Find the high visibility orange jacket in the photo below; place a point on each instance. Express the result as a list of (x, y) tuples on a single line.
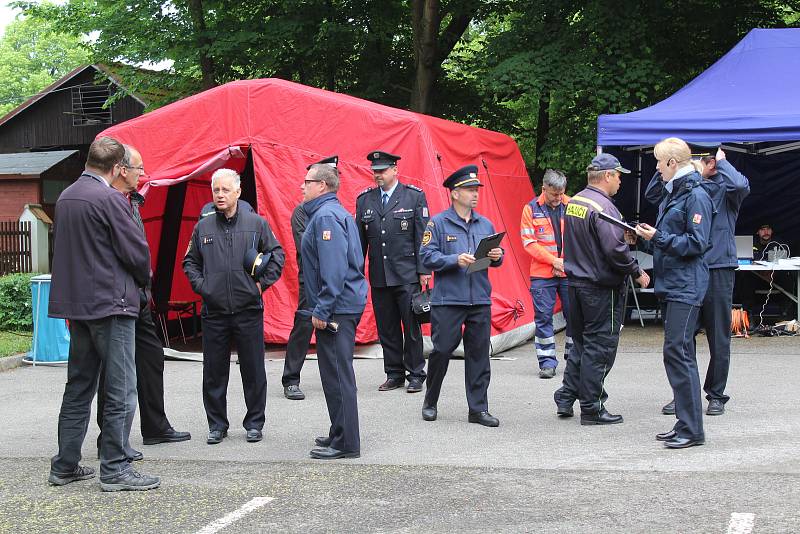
[(538, 238)]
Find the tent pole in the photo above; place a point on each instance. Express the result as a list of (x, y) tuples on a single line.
[(638, 184)]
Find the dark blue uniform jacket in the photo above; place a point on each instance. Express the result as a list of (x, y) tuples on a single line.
[(727, 189), (447, 236), (683, 230), (391, 235), (333, 264)]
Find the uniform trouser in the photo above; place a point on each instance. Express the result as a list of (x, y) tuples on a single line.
[(680, 362), (399, 331), (149, 380), (107, 342), (298, 343), (446, 323), (716, 320), (543, 294), (596, 317), (246, 330), (335, 360)]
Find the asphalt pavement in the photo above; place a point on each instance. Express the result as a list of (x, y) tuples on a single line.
[(535, 473)]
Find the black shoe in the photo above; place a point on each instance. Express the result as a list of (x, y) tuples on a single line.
[(254, 435), (602, 418), (170, 436), (414, 385), (429, 412), (392, 383), (715, 407), (130, 481), (547, 372), (565, 411), (327, 453), (293, 392), (483, 418), (667, 436), (81, 472), (669, 408), (216, 436), (323, 441), (682, 443)]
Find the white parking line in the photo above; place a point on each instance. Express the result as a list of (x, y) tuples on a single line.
[(741, 523), (236, 515)]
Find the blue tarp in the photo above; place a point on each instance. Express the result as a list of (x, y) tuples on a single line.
[(752, 94)]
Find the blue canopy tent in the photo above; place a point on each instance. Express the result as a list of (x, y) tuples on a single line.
[(748, 101)]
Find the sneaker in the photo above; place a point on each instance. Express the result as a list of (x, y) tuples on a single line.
[(293, 392), (130, 481), (81, 472)]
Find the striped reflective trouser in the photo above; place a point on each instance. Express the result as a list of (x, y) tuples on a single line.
[(543, 294)]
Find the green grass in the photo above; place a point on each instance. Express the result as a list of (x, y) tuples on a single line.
[(14, 342)]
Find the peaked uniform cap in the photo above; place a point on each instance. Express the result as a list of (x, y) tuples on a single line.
[(463, 177), (382, 160)]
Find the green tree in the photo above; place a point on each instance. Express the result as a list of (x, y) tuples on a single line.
[(32, 56), (558, 64), (391, 51)]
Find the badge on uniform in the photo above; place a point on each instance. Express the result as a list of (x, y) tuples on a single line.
[(426, 237), (431, 224), (404, 224), (697, 218), (424, 211), (326, 235), (452, 238), (208, 240)]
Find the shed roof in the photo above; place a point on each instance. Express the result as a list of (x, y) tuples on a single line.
[(31, 164)]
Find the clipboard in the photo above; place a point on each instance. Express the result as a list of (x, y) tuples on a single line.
[(482, 261), (616, 222)]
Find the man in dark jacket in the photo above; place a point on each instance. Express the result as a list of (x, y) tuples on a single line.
[(460, 299), (149, 353), (727, 188), (597, 262), (302, 329), (391, 220), (678, 242), (333, 271), (233, 308), (100, 261)]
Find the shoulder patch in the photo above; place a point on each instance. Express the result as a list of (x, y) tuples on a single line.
[(367, 190), (426, 237), (206, 214), (414, 187)]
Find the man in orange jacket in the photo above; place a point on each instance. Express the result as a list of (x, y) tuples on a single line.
[(542, 231)]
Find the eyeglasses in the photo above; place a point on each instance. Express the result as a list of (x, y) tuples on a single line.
[(140, 168), (311, 181)]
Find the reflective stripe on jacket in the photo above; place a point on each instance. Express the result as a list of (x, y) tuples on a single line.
[(538, 237)]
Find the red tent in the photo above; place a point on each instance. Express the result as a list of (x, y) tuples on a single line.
[(270, 130)]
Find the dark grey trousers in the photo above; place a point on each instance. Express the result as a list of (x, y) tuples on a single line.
[(107, 342)]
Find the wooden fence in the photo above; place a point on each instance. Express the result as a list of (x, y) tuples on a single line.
[(15, 247)]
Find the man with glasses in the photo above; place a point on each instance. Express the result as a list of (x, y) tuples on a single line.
[(149, 353), (391, 220), (302, 329), (542, 231), (233, 308), (336, 291)]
